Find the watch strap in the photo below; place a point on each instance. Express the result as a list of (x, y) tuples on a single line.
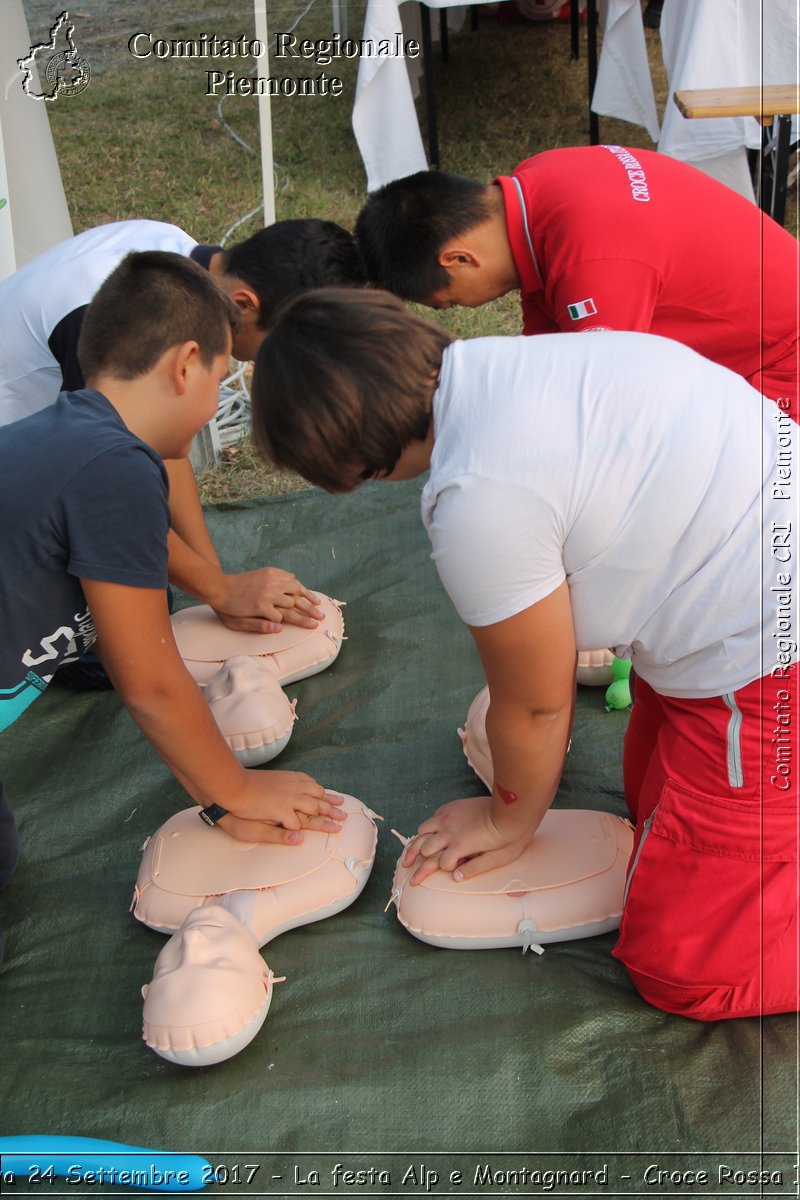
[(212, 814)]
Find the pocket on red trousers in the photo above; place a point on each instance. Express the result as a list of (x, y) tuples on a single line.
[(713, 885)]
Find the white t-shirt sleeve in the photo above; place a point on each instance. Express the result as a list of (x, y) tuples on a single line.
[(497, 549)]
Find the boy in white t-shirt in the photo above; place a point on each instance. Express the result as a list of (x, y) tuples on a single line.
[(44, 304), (615, 491)]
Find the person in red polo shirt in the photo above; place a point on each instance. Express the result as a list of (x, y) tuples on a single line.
[(600, 237)]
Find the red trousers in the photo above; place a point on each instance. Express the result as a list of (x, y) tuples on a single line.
[(710, 924)]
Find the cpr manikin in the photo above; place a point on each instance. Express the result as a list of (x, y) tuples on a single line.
[(212, 974), (595, 668), (253, 713), (569, 883), (242, 673), (222, 899), (293, 653)]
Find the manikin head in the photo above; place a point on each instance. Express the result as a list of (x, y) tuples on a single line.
[(242, 676), (252, 712), (210, 986)]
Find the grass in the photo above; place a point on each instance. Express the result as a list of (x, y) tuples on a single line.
[(144, 140)]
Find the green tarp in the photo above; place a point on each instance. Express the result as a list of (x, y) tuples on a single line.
[(380, 1053)]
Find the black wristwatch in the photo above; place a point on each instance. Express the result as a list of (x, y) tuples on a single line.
[(212, 814)]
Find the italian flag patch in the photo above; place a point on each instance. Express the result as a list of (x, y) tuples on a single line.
[(583, 308)]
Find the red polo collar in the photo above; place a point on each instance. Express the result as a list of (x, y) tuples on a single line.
[(520, 234)]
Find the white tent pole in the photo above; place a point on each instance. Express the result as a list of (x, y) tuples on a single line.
[(265, 117), (8, 259)]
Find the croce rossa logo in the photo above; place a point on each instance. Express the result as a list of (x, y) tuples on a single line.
[(61, 69)]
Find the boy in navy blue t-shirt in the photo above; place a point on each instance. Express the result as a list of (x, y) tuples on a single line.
[(85, 553), (43, 306)]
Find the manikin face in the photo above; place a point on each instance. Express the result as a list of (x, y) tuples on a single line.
[(209, 966), (245, 695)]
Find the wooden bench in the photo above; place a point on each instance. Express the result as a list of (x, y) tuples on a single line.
[(772, 106)]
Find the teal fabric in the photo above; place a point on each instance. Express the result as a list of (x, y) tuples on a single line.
[(376, 1044)]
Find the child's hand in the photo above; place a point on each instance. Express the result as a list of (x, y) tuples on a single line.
[(262, 831), (290, 799), (305, 611), (462, 837), (261, 601)]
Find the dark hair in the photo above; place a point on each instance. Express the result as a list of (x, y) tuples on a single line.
[(291, 257), (343, 384), (402, 228), (150, 302)]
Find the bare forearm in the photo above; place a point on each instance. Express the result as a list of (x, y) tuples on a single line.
[(528, 751), (178, 723), (138, 650), (529, 660), (193, 563), (194, 574), (258, 601), (186, 511)]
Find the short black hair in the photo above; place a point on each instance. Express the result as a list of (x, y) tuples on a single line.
[(403, 226), (294, 256), (151, 301)]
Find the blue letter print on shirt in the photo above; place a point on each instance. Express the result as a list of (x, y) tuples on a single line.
[(14, 701)]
